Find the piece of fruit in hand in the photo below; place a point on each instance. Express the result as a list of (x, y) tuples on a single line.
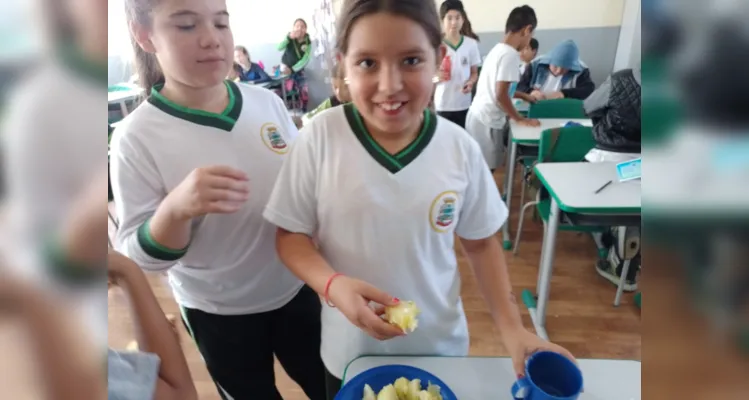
[(403, 315)]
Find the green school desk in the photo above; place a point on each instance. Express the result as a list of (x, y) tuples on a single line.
[(572, 187), (476, 378), (526, 136)]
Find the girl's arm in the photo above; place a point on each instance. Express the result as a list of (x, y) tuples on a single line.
[(488, 262), (299, 253), (66, 371), (153, 331), (263, 76), (151, 233), (474, 75)]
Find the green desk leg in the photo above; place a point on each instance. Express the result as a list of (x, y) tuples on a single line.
[(530, 302), (638, 300)]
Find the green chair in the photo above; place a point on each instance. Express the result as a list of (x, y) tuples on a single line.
[(557, 108), (568, 144)]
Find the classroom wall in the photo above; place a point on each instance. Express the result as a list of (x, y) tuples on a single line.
[(628, 51), (593, 24)]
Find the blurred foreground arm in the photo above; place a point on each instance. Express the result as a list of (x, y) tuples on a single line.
[(154, 332)]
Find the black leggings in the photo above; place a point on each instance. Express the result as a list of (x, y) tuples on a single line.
[(332, 384), (459, 117), (238, 349)]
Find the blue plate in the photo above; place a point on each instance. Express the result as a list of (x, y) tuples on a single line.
[(379, 377)]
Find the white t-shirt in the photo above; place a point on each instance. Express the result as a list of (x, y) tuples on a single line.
[(448, 96), (552, 84), (53, 151), (500, 65), (231, 266), (389, 220)]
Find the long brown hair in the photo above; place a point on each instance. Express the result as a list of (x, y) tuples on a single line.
[(466, 29), (423, 12), (138, 12)]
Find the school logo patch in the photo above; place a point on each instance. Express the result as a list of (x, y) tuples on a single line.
[(464, 61), (304, 47), (443, 211), (271, 135)]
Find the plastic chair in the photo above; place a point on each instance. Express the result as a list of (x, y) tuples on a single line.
[(557, 108), (572, 144)]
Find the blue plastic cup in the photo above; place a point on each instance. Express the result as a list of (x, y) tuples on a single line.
[(549, 376)]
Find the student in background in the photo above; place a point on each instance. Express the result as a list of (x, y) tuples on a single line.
[(528, 54), (250, 71), (297, 51), (452, 96), (615, 108), (487, 119), (557, 75), (192, 169), (386, 227), (340, 94)]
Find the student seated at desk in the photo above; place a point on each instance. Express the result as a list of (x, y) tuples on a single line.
[(528, 54), (250, 71), (615, 109), (557, 75)]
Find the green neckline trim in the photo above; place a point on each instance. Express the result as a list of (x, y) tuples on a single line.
[(225, 121), (84, 66), (451, 45), (391, 162)]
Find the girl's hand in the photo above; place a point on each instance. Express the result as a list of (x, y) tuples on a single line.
[(522, 344), (538, 95), (210, 190), (352, 297), (285, 70), (555, 95), (468, 87)]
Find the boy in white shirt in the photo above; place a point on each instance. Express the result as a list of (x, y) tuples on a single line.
[(492, 106)]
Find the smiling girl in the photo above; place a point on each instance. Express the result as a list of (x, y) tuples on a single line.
[(192, 169), (385, 226)]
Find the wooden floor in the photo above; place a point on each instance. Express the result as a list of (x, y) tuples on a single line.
[(580, 315)]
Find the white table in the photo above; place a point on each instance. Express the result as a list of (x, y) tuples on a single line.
[(521, 106), (122, 97), (572, 188), (527, 136), (477, 378)]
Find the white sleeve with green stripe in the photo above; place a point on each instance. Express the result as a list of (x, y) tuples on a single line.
[(138, 191)]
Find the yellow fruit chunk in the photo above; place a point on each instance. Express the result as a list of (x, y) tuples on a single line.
[(369, 394), (403, 389), (403, 315), (387, 393)]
